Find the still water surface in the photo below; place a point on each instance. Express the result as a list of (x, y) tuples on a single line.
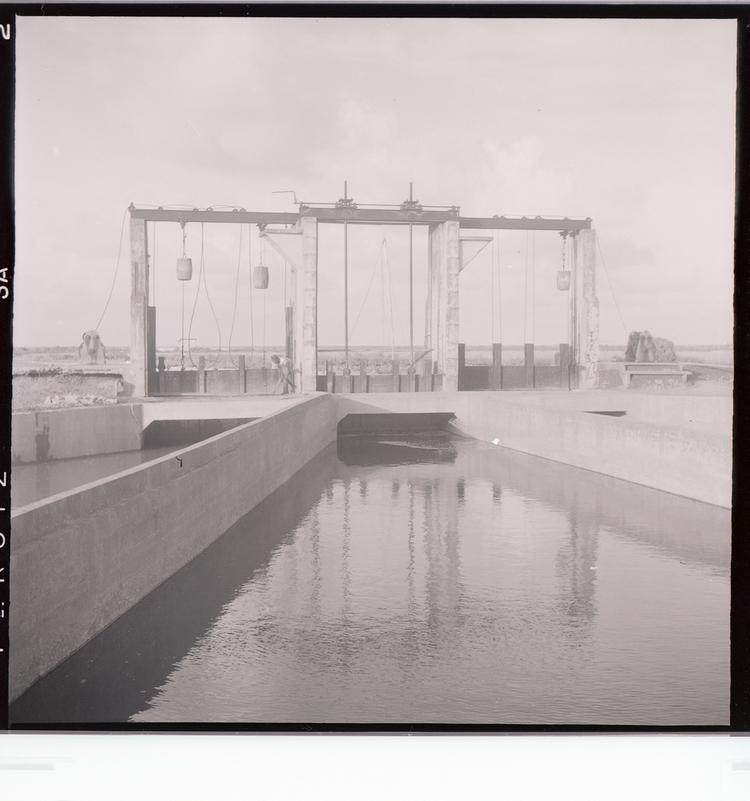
[(427, 579), (38, 480)]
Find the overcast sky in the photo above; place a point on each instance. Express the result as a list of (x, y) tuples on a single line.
[(629, 122)]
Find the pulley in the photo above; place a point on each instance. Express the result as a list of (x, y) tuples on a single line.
[(184, 264)]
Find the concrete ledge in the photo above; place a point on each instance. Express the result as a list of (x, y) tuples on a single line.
[(104, 546), (67, 433), (682, 457)]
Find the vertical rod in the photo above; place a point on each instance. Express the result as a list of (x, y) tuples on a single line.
[(492, 287), (411, 290), (182, 337), (250, 271), (574, 358), (346, 291), (153, 267), (499, 292)]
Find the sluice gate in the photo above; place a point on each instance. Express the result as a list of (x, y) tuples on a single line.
[(436, 364)]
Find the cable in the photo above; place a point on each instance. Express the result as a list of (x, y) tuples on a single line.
[(153, 268), (202, 274), (492, 287), (210, 304), (236, 295), (390, 298), (499, 291), (526, 290), (611, 288), (369, 287), (250, 272), (114, 276), (533, 287)]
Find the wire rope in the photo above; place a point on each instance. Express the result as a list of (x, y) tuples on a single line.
[(369, 286), (611, 288), (236, 296), (250, 273), (114, 275), (202, 278)]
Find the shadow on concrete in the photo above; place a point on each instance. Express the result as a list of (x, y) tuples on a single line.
[(113, 676)]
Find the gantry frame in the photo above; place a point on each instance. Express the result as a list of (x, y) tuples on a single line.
[(445, 225)]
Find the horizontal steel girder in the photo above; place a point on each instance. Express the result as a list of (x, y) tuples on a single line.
[(361, 216)]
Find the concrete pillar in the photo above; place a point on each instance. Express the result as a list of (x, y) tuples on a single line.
[(444, 268), (138, 372), (587, 322), (306, 312)]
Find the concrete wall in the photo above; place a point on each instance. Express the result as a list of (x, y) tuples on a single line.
[(65, 433), (39, 389), (695, 462), (104, 547)]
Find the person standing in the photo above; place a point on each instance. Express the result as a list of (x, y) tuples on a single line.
[(286, 381)]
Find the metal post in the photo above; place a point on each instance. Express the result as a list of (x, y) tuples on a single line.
[(528, 363), (411, 281), (241, 375), (574, 356), (346, 294)]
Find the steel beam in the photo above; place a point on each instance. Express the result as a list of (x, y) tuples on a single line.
[(363, 216), (526, 223), (210, 216)]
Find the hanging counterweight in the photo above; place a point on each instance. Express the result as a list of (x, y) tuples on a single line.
[(184, 264), (563, 276), (260, 276), (184, 268)]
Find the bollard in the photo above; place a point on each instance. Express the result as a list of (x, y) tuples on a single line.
[(160, 381), (528, 363), (497, 366), (242, 375), (564, 365), (201, 374), (330, 385)]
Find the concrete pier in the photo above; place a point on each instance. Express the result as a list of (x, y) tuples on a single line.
[(587, 303), (307, 316), (138, 374), (444, 266)]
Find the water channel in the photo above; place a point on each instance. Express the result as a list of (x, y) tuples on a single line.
[(426, 579)]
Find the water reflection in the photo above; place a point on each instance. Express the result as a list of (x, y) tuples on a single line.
[(576, 569), (383, 584)]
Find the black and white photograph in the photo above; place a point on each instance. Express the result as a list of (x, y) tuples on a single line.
[(372, 371)]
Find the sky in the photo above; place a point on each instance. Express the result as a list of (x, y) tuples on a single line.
[(629, 122)]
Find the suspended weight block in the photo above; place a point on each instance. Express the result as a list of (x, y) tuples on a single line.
[(260, 276), (563, 280), (184, 269)]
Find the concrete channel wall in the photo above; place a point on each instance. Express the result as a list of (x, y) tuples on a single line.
[(82, 558), (692, 457), (67, 433)]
